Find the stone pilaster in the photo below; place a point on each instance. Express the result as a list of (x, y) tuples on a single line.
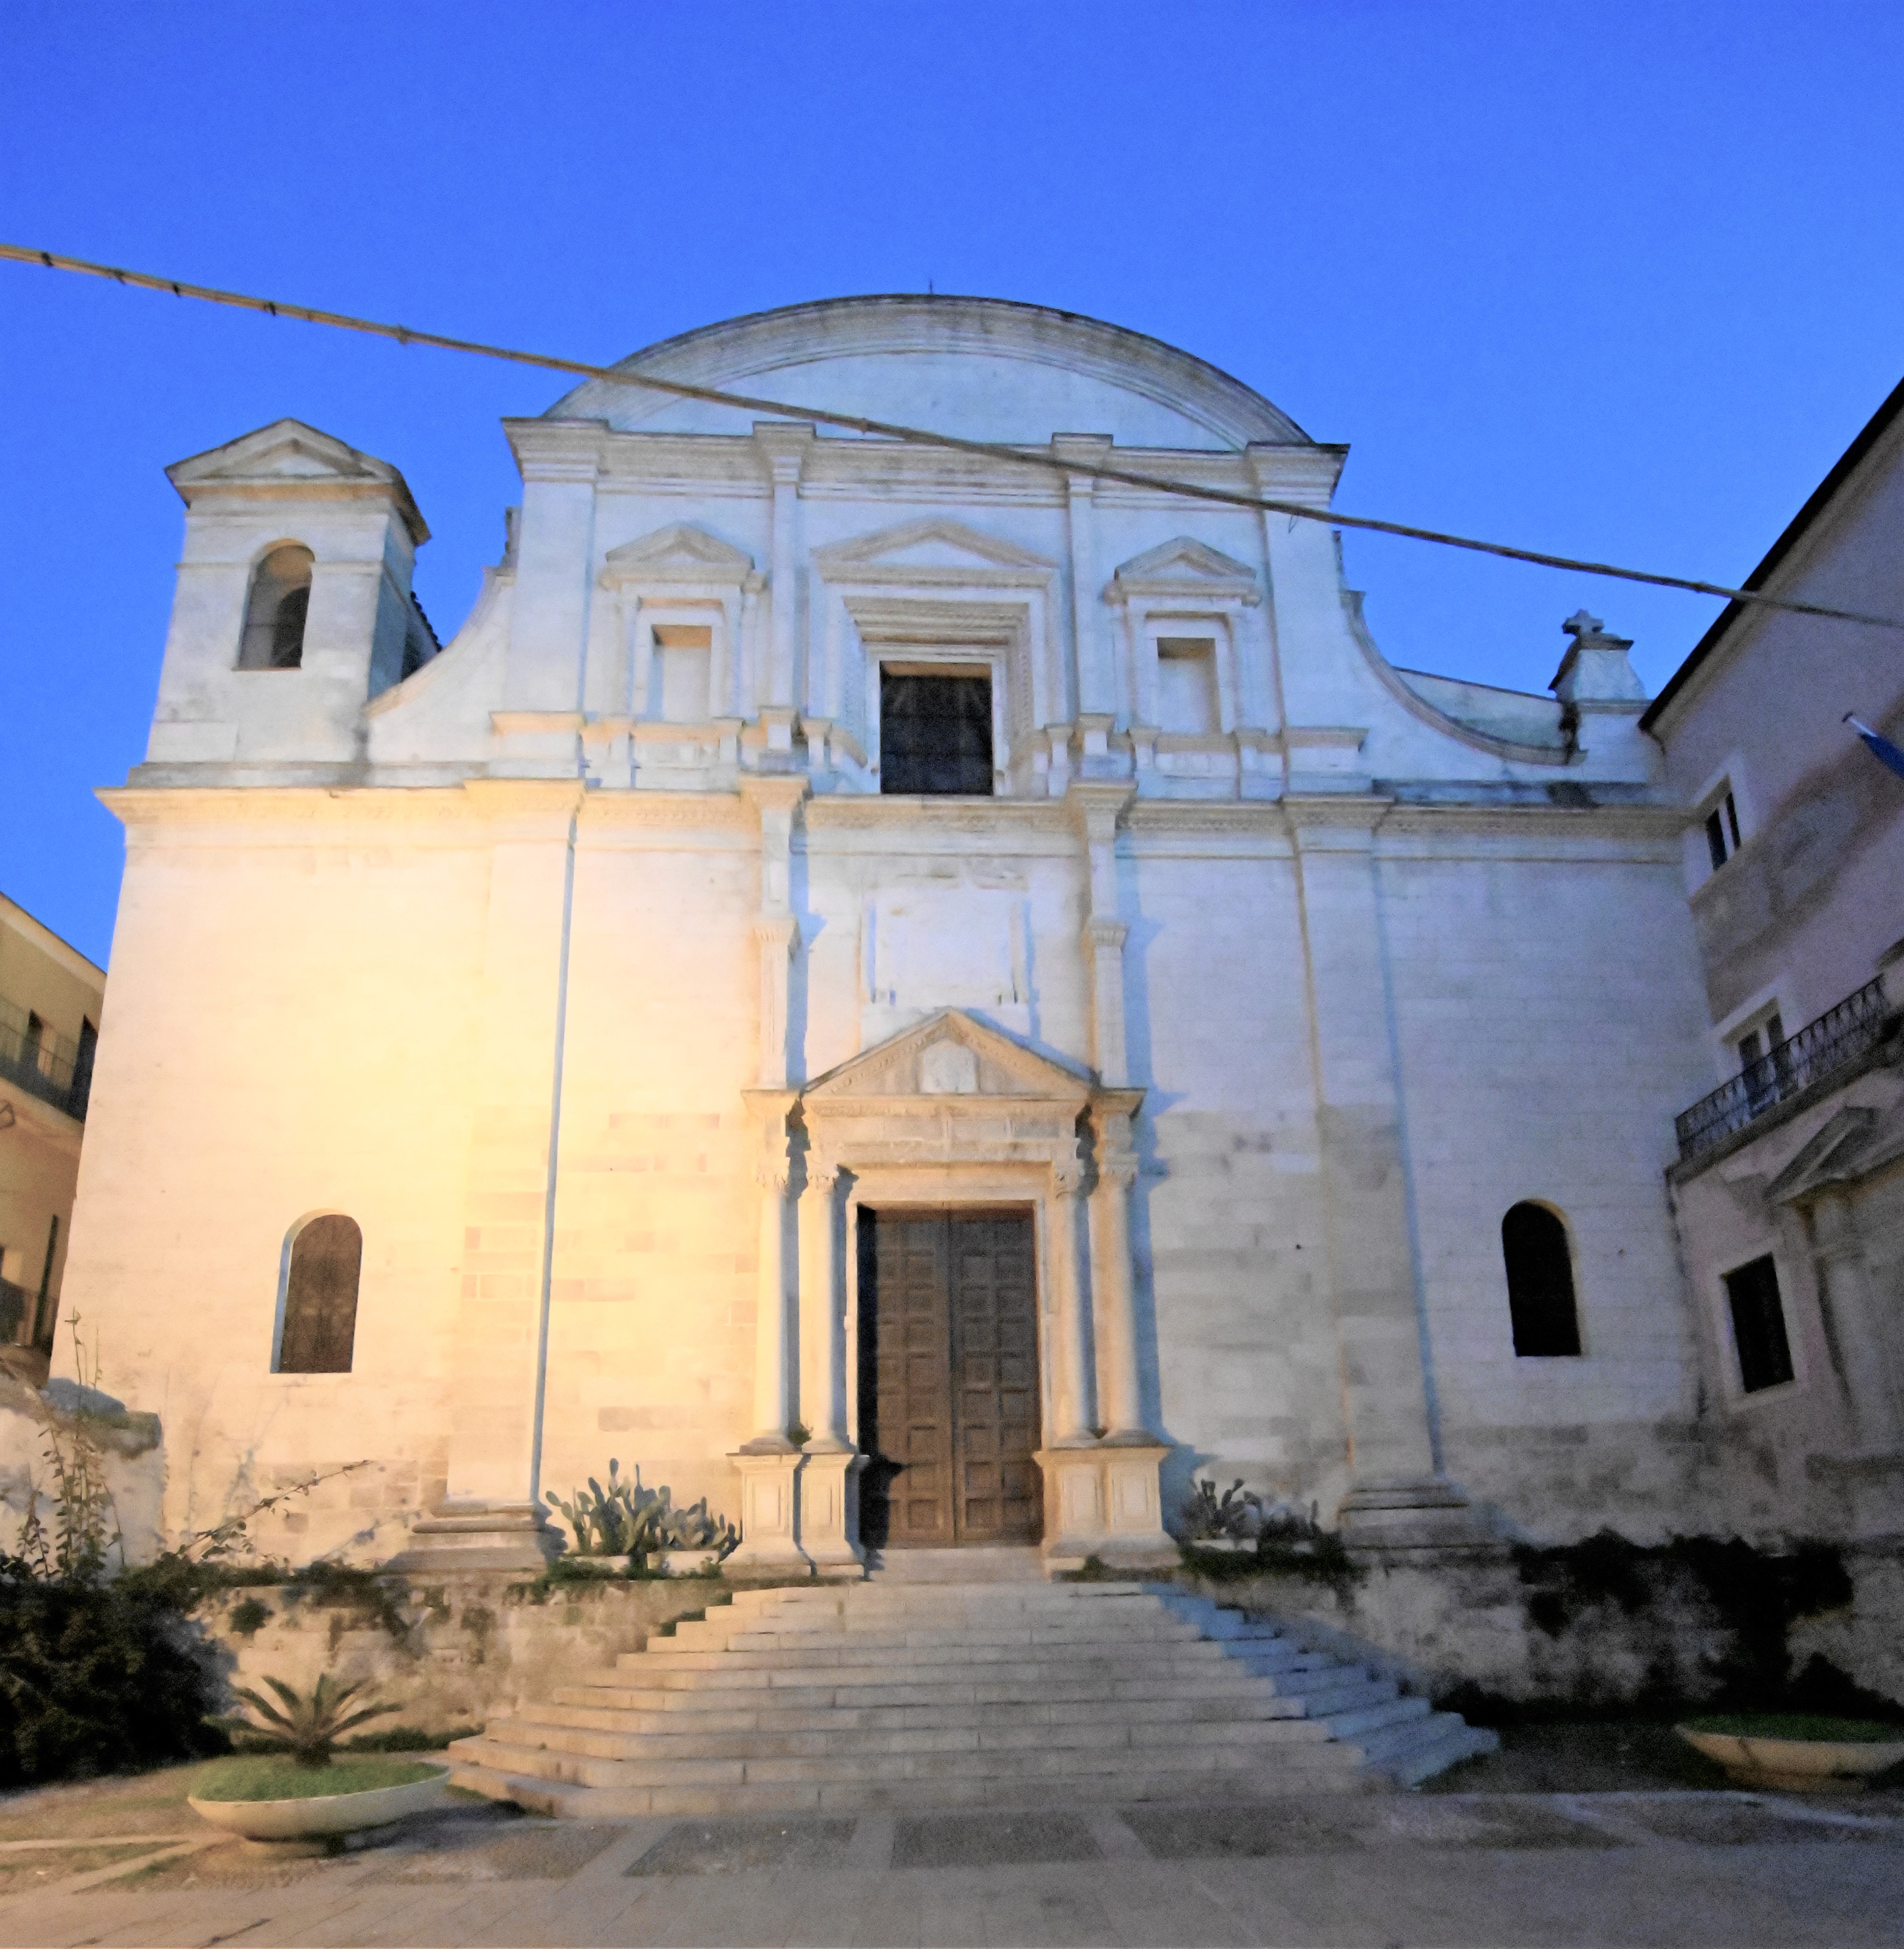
[(1844, 1283), (1396, 1495), (785, 446), (490, 1515)]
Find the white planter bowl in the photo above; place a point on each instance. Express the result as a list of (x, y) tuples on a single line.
[(685, 1562), (323, 1813), (1796, 1766)]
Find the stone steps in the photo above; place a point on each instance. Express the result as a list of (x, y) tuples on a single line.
[(935, 1693), (695, 1741), (1012, 1689), (587, 1803)]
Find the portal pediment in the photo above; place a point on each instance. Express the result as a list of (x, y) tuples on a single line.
[(682, 553), (1184, 566), (949, 1061)]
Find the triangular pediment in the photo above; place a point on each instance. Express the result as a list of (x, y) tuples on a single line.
[(931, 549), (280, 458), (682, 553), (948, 1056), (1184, 565)]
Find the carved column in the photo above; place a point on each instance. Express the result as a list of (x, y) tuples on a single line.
[(829, 1515), (1076, 1406), (1113, 1290), (1844, 1283)]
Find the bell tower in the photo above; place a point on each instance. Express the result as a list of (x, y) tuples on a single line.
[(294, 606)]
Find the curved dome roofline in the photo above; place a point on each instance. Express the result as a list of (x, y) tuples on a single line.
[(758, 344)]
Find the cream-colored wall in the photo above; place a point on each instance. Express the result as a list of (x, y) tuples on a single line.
[(296, 1038)]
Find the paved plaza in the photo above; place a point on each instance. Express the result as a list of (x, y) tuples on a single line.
[(1667, 1866)]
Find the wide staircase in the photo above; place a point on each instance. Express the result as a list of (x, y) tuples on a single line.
[(920, 1693)]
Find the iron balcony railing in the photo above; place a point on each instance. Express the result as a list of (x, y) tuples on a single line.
[(48, 1066), (1838, 1037)]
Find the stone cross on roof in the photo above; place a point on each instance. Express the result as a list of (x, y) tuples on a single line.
[(1581, 625)]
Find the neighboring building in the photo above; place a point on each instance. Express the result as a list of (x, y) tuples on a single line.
[(52, 1000), (861, 950), (1789, 1187)]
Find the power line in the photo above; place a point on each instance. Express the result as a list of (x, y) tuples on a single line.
[(912, 436)]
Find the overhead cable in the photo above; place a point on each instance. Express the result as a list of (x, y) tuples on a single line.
[(1047, 462)]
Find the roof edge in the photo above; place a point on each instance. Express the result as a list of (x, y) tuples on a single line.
[(1801, 524)]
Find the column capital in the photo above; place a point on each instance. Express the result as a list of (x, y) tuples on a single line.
[(1102, 932), (768, 793), (1067, 1176), (1099, 804), (785, 444), (822, 1173), (780, 931)]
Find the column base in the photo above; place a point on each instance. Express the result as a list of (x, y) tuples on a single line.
[(1104, 1500), (769, 1532), (1407, 1513), (828, 1505), (462, 1535)]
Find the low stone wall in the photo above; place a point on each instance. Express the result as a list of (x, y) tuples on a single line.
[(1474, 1622), (448, 1651)]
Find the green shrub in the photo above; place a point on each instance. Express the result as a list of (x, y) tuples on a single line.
[(97, 1677)]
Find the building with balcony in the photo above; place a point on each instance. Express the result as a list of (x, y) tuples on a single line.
[(51, 1001), (1789, 1187)]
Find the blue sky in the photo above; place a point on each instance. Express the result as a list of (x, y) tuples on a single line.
[(1619, 281)]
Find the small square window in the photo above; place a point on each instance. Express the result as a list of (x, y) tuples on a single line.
[(1759, 1325), (935, 732)]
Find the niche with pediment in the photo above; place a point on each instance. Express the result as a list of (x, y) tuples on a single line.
[(681, 596), (934, 596), (1193, 656)]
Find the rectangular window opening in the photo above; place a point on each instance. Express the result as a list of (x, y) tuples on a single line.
[(1759, 1325), (1722, 832), (935, 732), (1186, 690)]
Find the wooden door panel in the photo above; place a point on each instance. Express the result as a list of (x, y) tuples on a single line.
[(949, 1368), (994, 1341)]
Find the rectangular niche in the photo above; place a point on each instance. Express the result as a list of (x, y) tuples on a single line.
[(680, 685), (1188, 700)]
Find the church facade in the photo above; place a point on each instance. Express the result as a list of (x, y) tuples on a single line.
[(926, 999)]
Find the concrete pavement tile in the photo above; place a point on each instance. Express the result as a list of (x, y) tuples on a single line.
[(951, 1913), (1112, 1833), (1046, 1911), (871, 1850), (884, 1914), (540, 1850), (990, 1840), (736, 1844)]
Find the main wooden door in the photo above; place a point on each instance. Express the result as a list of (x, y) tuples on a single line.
[(948, 1378)]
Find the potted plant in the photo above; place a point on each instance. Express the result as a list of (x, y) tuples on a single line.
[(1801, 1752), (695, 1539), (300, 1791)]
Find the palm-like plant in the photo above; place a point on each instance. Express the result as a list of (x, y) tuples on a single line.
[(308, 1728)]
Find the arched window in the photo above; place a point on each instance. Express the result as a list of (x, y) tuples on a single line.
[(320, 1323), (274, 618), (1540, 1281)]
